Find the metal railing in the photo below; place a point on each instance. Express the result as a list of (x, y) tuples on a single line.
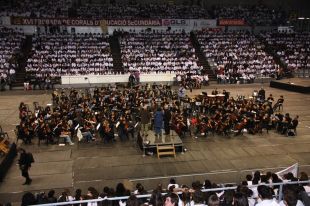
[(279, 196)]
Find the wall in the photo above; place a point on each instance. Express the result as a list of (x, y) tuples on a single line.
[(101, 79)]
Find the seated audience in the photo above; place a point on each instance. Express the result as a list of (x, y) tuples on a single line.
[(292, 48), (238, 57), (158, 52), (80, 54)]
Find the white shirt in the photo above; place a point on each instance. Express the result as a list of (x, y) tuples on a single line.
[(175, 186), (271, 202), (307, 188), (299, 203)]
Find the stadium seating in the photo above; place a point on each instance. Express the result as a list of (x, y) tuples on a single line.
[(292, 48), (158, 52), (238, 56), (79, 54)]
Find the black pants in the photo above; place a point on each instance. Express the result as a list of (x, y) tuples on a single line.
[(167, 128), (25, 174)]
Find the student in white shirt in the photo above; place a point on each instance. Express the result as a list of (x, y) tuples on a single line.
[(290, 199), (172, 182), (265, 196)]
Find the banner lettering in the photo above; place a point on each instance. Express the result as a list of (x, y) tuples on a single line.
[(134, 22), (231, 22), (84, 22), (175, 22), (53, 22)]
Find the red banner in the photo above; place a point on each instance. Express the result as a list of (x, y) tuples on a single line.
[(231, 22)]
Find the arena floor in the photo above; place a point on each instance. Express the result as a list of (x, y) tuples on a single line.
[(220, 159)]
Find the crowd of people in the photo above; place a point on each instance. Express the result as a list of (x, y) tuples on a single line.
[(109, 112), (238, 56), (79, 54), (258, 14), (254, 190), (141, 11), (159, 51), (36, 8), (292, 48), (10, 44)]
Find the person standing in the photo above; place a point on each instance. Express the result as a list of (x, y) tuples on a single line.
[(25, 161), (158, 122), (167, 118), (145, 115)]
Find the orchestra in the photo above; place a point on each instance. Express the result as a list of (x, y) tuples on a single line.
[(107, 113)]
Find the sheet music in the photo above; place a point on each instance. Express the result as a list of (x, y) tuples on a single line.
[(117, 124)]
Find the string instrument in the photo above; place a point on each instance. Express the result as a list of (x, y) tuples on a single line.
[(202, 127), (65, 130), (106, 125), (241, 125), (180, 125), (26, 130)]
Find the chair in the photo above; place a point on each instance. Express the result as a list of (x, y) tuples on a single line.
[(292, 128), (280, 106), (42, 137), (57, 135)]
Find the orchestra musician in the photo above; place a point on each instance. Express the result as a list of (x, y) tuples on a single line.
[(279, 103), (65, 132), (214, 114), (167, 119), (106, 131)]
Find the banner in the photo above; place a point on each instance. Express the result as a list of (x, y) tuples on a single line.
[(293, 169), (231, 22), (83, 22), (175, 22), (134, 22), (104, 26), (203, 23), (53, 21)]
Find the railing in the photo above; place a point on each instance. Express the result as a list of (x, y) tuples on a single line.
[(232, 176), (279, 196)]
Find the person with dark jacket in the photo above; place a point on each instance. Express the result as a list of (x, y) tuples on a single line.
[(145, 115), (24, 162), (167, 118)]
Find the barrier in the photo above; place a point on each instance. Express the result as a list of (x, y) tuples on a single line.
[(279, 197), (121, 78)]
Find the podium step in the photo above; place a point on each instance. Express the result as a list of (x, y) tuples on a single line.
[(165, 150)]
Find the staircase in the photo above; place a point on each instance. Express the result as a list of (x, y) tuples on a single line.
[(202, 60), (116, 53), (22, 62), (165, 150), (269, 50)]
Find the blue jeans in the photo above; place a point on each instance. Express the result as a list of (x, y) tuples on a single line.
[(157, 131), (88, 136)]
